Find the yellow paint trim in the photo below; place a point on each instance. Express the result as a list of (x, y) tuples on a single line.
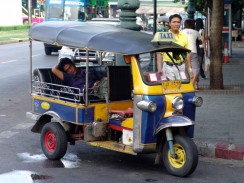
[(57, 101), (127, 123), (45, 105), (121, 105), (115, 146), (169, 110)]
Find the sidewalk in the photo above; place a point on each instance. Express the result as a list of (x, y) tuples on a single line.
[(219, 130), (14, 38)]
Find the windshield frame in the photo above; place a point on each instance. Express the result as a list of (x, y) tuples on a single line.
[(152, 69)]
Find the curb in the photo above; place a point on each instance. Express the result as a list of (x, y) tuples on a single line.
[(13, 41), (220, 150)]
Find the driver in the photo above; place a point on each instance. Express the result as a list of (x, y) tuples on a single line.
[(164, 64)]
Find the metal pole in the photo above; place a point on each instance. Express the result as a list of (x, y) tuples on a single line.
[(87, 79), (30, 59), (63, 10), (154, 32), (29, 12), (154, 16)]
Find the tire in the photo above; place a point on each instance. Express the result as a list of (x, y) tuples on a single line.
[(187, 156), (48, 51), (53, 141), (25, 22)]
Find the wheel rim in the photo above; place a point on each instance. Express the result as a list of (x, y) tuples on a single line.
[(50, 141), (180, 159)]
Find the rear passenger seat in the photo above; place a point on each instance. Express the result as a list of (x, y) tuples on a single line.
[(45, 75), (119, 81)]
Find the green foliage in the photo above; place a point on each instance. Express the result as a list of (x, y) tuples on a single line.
[(199, 6), (14, 27), (237, 5)]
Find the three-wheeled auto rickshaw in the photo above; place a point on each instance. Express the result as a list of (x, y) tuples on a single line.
[(137, 111)]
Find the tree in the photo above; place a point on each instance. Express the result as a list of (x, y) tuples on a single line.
[(216, 46), (216, 8)]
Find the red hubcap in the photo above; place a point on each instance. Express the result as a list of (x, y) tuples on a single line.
[(50, 141)]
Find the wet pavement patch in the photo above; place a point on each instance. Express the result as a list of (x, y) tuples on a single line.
[(22, 176), (151, 180), (68, 161), (39, 177)]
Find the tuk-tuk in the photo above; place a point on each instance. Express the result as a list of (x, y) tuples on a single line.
[(136, 112)]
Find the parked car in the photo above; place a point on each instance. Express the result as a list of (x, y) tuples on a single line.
[(78, 56), (49, 48)]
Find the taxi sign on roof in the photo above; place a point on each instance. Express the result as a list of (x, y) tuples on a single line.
[(163, 37)]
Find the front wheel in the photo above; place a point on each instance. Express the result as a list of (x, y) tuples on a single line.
[(53, 141), (186, 159)]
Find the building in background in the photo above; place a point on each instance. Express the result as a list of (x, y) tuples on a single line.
[(37, 10), (145, 11), (10, 13)]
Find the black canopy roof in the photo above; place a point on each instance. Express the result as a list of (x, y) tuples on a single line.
[(99, 37)]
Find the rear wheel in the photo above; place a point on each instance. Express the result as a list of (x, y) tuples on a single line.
[(186, 159), (53, 141)]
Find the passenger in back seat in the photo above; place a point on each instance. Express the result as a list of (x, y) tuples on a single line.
[(73, 76)]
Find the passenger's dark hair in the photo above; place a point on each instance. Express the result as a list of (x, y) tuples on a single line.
[(175, 16), (189, 24), (199, 24), (63, 62)]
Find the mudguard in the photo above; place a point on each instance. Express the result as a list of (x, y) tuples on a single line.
[(47, 117), (173, 121)]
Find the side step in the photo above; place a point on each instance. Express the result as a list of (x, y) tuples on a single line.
[(112, 145)]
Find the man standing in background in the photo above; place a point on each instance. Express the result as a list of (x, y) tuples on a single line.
[(164, 64)]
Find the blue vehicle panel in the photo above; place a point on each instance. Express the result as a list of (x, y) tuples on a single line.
[(65, 112), (150, 120)]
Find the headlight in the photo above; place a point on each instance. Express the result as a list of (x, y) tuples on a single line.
[(178, 103), (147, 105), (197, 101)]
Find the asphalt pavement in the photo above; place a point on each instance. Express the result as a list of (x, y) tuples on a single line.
[(219, 129)]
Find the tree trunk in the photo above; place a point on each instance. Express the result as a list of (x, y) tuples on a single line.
[(216, 45)]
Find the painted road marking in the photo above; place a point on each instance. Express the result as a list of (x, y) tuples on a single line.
[(7, 134), (23, 126), (9, 61), (13, 132), (36, 55)]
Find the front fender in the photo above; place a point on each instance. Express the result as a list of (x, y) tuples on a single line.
[(173, 121), (47, 117)]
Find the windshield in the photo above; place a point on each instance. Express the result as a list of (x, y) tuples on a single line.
[(54, 12), (67, 13), (74, 13), (150, 74)]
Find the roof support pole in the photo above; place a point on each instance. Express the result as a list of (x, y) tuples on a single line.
[(87, 79), (30, 69)]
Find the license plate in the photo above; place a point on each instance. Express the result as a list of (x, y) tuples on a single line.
[(171, 86)]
